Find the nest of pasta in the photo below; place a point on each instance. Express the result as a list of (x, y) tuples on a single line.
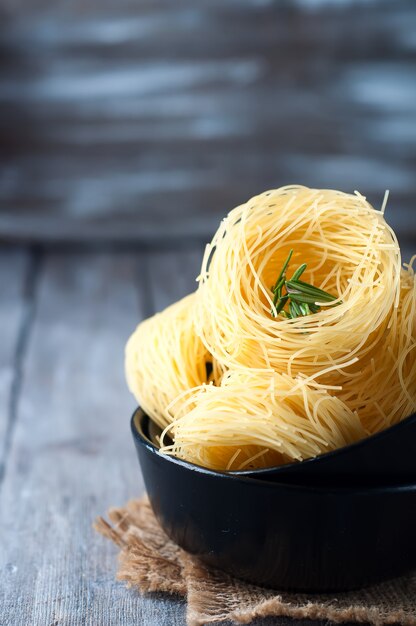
[(240, 376)]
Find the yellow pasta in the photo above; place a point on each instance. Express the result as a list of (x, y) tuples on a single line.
[(349, 250), (235, 384), (164, 357), (262, 417)]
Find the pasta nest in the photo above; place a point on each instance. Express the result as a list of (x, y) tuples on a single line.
[(235, 387)]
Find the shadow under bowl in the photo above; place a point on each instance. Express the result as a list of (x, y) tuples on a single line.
[(283, 536)]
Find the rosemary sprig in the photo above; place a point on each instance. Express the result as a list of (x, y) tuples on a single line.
[(277, 289), (300, 297)]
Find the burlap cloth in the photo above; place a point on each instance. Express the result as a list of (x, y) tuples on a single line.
[(151, 562)]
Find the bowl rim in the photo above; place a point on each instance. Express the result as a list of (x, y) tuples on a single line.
[(239, 477), (331, 453)]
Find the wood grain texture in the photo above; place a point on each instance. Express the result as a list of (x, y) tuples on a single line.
[(148, 121), (172, 275), (14, 313), (72, 456)]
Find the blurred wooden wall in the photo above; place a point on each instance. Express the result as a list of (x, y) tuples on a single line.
[(146, 121)]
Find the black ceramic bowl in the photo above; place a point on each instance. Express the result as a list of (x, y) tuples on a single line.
[(283, 536)]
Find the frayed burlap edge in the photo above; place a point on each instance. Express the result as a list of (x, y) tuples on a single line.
[(151, 562), (147, 559)]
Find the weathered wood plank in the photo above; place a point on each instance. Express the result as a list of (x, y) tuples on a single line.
[(14, 308), (172, 275), (125, 121), (72, 456)]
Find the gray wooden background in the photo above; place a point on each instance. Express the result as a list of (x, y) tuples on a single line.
[(148, 120), (127, 129)]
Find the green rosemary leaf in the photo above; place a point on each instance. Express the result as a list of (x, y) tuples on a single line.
[(304, 288), (294, 309), (278, 290), (299, 272), (320, 291), (281, 304), (283, 270), (304, 308), (302, 298), (298, 309)]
